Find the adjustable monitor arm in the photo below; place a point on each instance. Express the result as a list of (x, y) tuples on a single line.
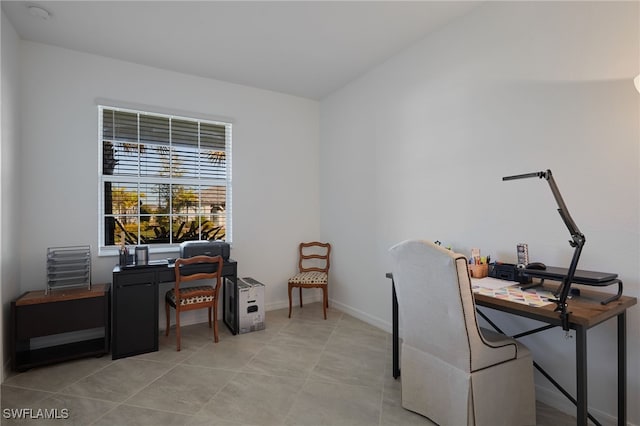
[(577, 242)]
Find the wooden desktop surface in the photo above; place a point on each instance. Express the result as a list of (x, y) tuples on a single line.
[(585, 310), (62, 294)]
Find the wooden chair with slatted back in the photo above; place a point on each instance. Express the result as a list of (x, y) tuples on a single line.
[(199, 297), (313, 271)]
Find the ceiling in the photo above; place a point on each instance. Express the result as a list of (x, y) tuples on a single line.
[(303, 48)]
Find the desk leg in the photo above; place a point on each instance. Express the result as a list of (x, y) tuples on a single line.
[(395, 336), (622, 369), (581, 375)]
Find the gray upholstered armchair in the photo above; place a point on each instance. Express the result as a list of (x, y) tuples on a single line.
[(454, 372)]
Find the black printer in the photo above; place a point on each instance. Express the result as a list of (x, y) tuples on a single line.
[(205, 248), (509, 272)]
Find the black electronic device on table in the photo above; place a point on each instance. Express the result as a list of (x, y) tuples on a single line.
[(508, 272), (580, 277), (206, 248), (590, 278), (536, 265)]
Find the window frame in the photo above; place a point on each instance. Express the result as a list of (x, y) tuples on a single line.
[(139, 179)]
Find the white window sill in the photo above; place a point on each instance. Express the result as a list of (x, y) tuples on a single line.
[(114, 251)]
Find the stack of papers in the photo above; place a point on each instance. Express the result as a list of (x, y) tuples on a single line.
[(509, 290)]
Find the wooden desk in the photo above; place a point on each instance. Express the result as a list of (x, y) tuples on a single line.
[(586, 311)]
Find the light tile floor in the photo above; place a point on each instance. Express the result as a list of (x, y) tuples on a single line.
[(299, 371)]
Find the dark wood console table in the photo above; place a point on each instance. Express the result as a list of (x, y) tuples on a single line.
[(36, 314)]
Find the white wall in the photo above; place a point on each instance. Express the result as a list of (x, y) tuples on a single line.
[(275, 149), (416, 148), (9, 199)]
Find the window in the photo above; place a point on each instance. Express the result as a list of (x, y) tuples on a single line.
[(164, 179)]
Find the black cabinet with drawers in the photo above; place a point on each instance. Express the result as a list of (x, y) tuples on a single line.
[(135, 312)]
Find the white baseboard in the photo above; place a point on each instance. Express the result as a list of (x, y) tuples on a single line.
[(356, 313), (383, 325), (284, 304), (309, 297)]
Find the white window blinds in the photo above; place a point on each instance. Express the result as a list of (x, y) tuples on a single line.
[(163, 179)]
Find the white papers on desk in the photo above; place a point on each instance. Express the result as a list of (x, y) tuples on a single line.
[(491, 283), (510, 291)]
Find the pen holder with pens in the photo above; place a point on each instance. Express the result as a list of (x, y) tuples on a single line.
[(478, 271), (478, 265)]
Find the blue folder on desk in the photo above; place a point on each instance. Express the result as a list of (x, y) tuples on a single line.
[(580, 277)]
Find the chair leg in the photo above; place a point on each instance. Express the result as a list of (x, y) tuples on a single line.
[(215, 320), (177, 329), (166, 310), (209, 309), (301, 296), (325, 301), (290, 286)]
